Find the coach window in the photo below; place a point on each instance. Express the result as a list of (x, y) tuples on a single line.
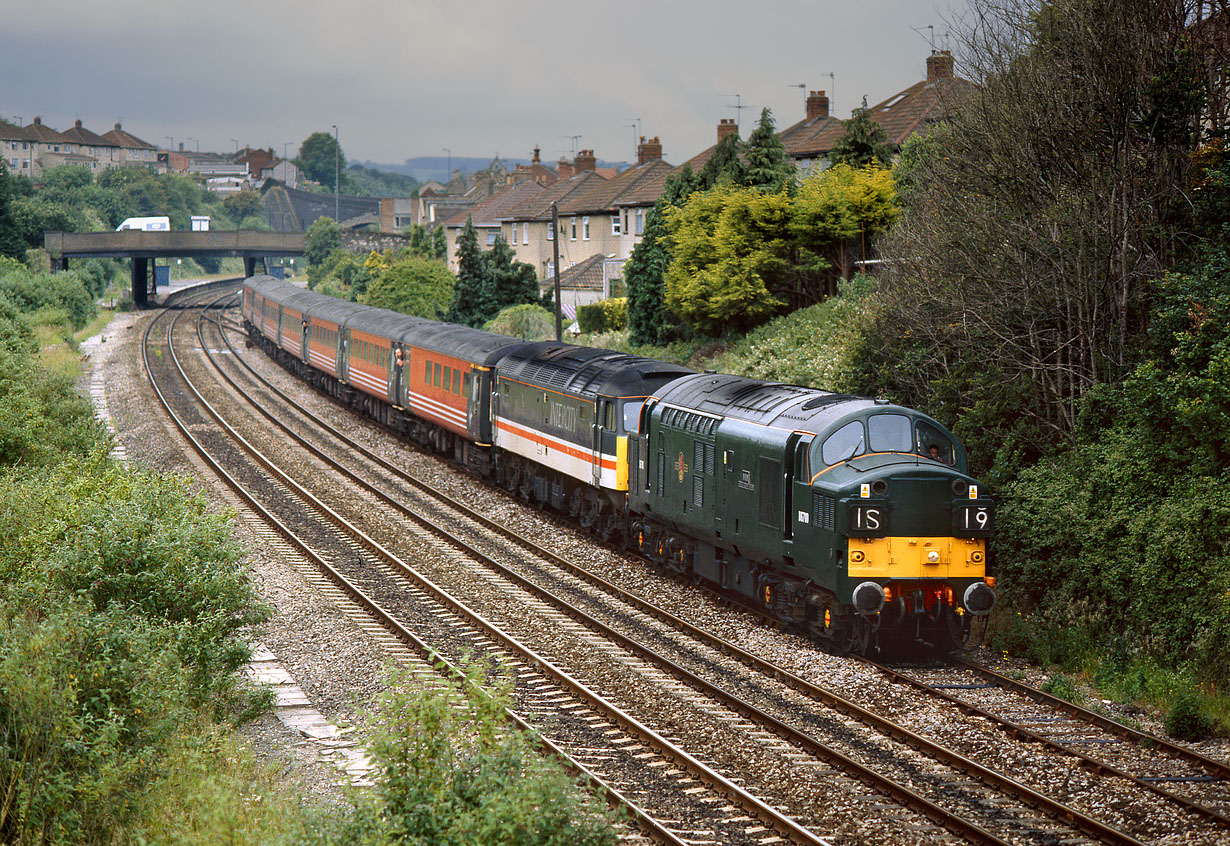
[(427, 373), (846, 442), (448, 379), (436, 379)]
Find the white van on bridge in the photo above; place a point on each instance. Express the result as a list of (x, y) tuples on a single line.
[(146, 224)]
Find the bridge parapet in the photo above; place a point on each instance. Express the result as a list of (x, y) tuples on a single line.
[(247, 243)]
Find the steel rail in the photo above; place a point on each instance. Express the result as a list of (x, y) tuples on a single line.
[(1016, 730), (650, 826), (1086, 824), (717, 781)]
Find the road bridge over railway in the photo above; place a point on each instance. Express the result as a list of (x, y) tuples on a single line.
[(144, 247)]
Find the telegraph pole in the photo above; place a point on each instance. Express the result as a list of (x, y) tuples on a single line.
[(559, 313)]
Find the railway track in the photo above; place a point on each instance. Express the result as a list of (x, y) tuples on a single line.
[(647, 642), (673, 795), (1026, 799)]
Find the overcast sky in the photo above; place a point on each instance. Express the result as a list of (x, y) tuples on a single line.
[(406, 78)]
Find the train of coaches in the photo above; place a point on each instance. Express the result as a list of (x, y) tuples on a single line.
[(851, 517)]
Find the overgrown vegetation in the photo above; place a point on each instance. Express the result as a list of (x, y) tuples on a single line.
[(450, 771)]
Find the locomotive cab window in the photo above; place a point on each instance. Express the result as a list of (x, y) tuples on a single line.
[(933, 443), (846, 442), (889, 433)]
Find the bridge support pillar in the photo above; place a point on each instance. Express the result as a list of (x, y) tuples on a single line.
[(249, 265), (140, 282)]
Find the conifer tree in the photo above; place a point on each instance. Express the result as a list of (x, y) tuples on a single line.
[(864, 141), (11, 242), (768, 166), (723, 164), (467, 296), (506, 281), (649, 319)]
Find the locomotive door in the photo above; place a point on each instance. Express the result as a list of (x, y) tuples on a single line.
[(602, 409), (798, 483)]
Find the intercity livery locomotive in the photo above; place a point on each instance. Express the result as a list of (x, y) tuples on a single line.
[(849, 517)]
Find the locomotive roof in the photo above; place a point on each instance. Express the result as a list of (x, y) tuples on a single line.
[(588, 371), (767, 403), (473, 345)]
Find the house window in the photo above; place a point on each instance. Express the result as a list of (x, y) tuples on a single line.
[(640, 221), (585, 228), (615, 229), (551, 231), (525, 233), (574, 229), (491, 235)]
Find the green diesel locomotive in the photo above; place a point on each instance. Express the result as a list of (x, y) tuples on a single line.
[(848, 516)]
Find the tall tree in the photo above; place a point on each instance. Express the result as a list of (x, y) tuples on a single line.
[(439, 243), (321, 158), (649, 320), (506, 281), (768, 166), (468, 307), (11, 242), (864, 141), (723, 165), (1040, 220)]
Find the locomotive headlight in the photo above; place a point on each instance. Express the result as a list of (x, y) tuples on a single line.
[(857, 556), (977, 557), (979, 599), (933, 556), (868, 598)]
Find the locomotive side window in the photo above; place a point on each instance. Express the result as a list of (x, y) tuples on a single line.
[(889, 433), (933, 443), (632, 416), (846, 442)]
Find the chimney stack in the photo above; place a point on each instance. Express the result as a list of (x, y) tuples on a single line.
[(648, 151), (727, 126), (939, 66), (585, 160), (536, 160), (817, 105), (565, 169)]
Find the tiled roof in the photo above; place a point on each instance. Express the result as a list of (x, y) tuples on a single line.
[(584, 274), (634, 186), (126, 139), (539, 206), (922, 103), (490, 211), (12, 132), (81, 135), (39, 132), (813, 137)]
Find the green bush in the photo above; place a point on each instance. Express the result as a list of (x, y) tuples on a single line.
[(811, 346), (1187, 720), (30, 292), (529, 321), (121, 607), (450, 770), (591, 318)]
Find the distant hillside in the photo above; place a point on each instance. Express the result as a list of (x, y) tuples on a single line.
[(425, 168)]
